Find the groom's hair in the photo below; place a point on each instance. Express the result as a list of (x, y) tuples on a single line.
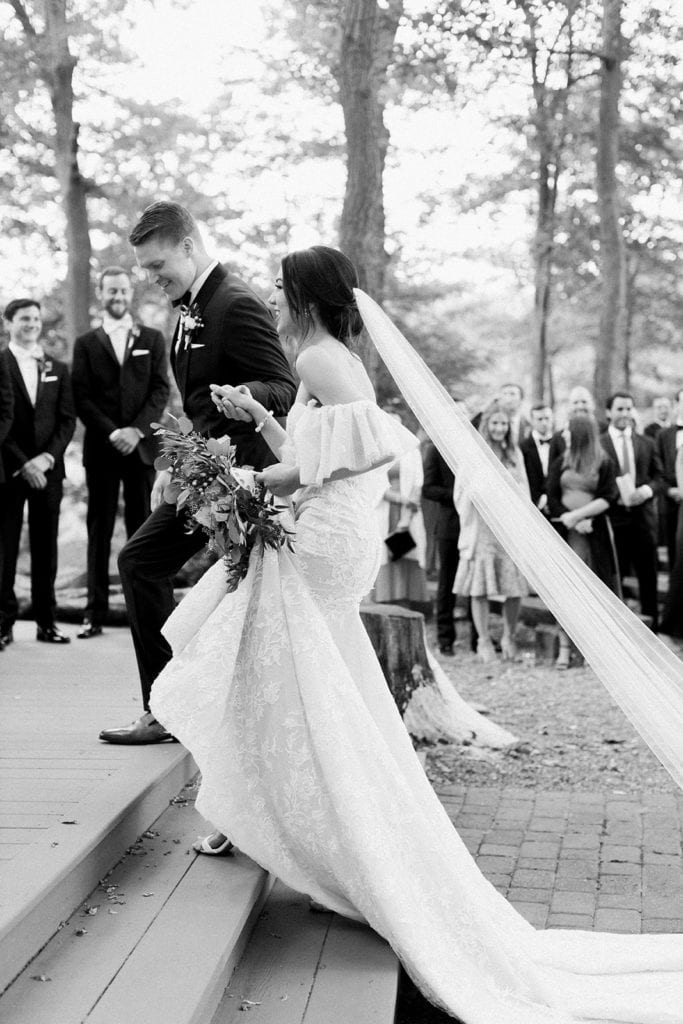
[(166, 220)]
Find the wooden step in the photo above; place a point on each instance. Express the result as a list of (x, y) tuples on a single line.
[(308, 968), (52, 877), (154, 943)]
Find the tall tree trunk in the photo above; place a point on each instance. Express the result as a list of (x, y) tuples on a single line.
[(58, 70), (368, 35), (612, 260), (544, 243)]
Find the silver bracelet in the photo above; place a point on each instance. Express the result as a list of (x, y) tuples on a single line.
[(259, 426)]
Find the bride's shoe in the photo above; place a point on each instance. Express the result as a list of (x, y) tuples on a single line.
[(485, 651), (208, 845)]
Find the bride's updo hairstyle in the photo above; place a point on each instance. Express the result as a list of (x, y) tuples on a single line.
[(323, 278)]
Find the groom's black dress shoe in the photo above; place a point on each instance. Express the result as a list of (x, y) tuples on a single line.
[(89, 630), (51, 635), (145, 730)]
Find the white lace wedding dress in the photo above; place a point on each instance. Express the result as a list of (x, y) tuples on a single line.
[(307, 766)]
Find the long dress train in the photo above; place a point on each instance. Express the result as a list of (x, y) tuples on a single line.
[(307, 766)]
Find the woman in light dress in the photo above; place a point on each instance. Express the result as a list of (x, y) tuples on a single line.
[(305, 761), (485, 571)]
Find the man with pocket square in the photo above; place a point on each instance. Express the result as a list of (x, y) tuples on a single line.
[(120, 384), (33, 456)]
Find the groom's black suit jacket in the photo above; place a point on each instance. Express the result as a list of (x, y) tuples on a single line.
[(237, 344), (109, 395)]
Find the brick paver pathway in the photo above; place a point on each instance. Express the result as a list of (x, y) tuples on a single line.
[(578, 860)]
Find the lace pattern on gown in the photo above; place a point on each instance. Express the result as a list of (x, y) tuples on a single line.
[(307, 766)]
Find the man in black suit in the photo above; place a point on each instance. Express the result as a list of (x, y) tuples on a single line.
[(120, 386), (437, 486), (579, 403), (33, 453), (634, 516), (536, 452), (661, 416), (6, 417), (668, 441), (224, 334)]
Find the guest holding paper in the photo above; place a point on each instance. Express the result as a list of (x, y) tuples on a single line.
[(634, 515)]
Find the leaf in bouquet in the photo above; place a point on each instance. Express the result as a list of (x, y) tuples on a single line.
[(219, 446), (236, 536), (203, 517), (185, 425), (221, 517), (162, 462), (183, 495)]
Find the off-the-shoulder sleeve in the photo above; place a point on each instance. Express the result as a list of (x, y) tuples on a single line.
[(356, 437)]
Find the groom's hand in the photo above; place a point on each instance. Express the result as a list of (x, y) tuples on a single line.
[(163, 479), (280, 480), (235, 403)]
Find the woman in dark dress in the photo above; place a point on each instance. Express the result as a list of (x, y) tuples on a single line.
[(581, 487)]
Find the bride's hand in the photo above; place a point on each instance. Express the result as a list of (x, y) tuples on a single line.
[(280, 480), (235, 403)]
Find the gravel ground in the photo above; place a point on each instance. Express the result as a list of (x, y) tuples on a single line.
[(572, 735)]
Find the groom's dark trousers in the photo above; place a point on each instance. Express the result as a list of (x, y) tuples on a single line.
[(237, 344)]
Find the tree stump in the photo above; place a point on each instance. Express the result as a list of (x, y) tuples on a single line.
[(429, 704)]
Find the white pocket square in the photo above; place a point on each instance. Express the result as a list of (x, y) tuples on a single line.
[(140, 352), (197, 346), (48, 380)]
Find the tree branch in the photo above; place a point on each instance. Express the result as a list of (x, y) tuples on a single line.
[(23, 18)]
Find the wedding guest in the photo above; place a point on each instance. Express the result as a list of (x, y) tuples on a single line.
[(536, 452), (634, 516), (6, 416), (510, 397), (668, 442), (225, 334), (430, 516), (579, 402), (485, 570), (402, 580), (581, 488), (672, 615), (438, 487), (120, 386), (661, 416), (33, 454)]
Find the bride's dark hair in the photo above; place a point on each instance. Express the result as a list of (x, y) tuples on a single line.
[(324, 278)]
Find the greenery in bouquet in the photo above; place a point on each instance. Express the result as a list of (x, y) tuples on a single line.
[(218, 495)]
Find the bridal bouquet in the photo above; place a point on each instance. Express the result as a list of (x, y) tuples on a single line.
[(221, 497)]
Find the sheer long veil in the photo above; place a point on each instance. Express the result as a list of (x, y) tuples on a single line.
[(643, 676)]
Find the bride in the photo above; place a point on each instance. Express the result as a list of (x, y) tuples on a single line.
[(306, 764)]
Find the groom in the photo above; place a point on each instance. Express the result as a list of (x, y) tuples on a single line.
[(224, 334)]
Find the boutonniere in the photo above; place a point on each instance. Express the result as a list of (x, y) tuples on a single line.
[(45, 369), (191, 324), (133, 335)]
